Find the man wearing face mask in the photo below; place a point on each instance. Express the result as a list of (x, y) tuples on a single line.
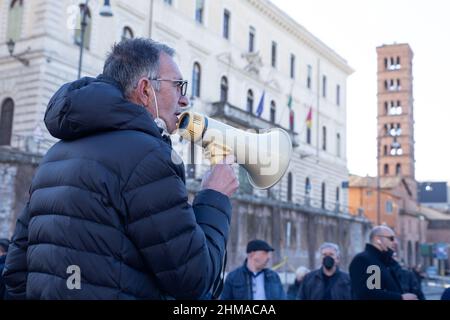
[(372, 271), (108, 215), (327, 282)]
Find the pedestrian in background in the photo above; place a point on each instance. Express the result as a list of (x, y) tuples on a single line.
[(253, 280), (4, 244), (300, 273), (376, 263), (327, 282)]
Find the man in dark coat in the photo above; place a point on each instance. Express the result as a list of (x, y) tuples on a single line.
[(371, 271), (108, 215), (407, 280), (4, 245), (327, 282), (253, 281)]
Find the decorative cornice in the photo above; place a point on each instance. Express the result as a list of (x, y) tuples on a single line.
[(294, 28)]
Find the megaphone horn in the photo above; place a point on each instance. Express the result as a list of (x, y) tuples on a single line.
[(265, 156)]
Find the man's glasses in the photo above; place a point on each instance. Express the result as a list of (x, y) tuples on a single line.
[(182, 84), (392, 238)]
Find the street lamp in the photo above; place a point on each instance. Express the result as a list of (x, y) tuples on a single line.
[(105, 11), (11, 45)]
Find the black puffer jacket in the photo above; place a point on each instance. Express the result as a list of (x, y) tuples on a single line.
[(362, 274), (109, 199)]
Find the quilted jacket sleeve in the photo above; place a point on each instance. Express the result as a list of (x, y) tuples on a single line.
[(182, 245), (15, 272)]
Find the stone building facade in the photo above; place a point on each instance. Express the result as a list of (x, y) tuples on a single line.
[(231, 52)]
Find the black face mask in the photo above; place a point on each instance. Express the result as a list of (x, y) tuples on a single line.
[(328, 262), (389, 253)]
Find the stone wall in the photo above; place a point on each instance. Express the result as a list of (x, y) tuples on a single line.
[(16, 172)]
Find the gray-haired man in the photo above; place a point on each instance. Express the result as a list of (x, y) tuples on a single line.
[(327, 282), (108, 215)]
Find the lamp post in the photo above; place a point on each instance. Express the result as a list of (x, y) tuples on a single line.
[(105, 11), (11, 45)]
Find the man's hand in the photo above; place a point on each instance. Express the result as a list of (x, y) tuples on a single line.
[(221, 178), (409, 296)]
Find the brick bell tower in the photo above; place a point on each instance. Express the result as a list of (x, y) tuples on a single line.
[(395, 112)]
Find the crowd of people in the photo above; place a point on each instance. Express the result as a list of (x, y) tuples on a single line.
[(374, 274)]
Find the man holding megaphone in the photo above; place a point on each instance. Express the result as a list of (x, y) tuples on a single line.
[(108, 215)]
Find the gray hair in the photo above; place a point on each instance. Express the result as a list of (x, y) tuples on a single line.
[(330, 245), (377, 230), (132, 59)]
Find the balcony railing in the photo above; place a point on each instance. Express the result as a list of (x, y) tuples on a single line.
[(246, 120)]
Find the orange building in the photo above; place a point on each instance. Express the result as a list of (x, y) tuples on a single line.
[(395, 207)]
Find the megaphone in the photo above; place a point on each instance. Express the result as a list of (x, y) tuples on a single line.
[(265, 156)]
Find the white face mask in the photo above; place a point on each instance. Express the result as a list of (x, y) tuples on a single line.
[(159, 121)]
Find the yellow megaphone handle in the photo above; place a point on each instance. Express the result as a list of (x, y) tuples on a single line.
[(216, 153)]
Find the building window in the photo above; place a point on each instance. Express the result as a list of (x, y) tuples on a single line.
[(273, 111), (385, 152), (251, 39), (199, 10), (386, 64), (250, 100), (324, 86), (224, 89), (338, 145), (399, 87), (15, 17), (398, 169), (226, 24), (291, 120), (309, 77), (292, 66), (196, 80), (289, 189), (386, 85), (398, 66), (338, 95), (389, 206), (87, 32), (337, 195), (6, 121), (274, 54), (127, 33), (324, 138), (398, 110), (323, 195), (386, 169), (307, 187), (396, 149), (308, 135)]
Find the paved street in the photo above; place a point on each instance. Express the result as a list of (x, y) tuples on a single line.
[(433, 289)]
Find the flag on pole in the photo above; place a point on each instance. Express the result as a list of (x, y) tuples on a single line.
[(260, 109), (309, 118), (289, 104)]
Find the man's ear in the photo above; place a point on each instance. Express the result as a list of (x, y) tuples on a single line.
[(143, 91)]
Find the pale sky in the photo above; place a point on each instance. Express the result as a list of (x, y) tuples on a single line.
[(354, 28)]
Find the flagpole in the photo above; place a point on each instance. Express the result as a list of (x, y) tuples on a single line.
[(318, 108), (290, 95)]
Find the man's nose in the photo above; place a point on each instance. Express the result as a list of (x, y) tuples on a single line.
[(183, 102)]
